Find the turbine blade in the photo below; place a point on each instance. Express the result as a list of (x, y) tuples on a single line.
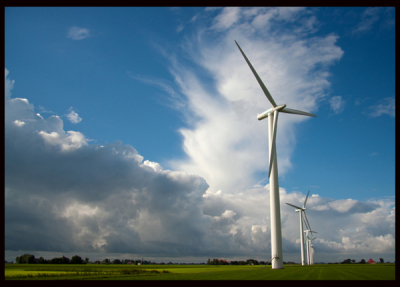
[(305, 223), (296, 112), (308, 224), (263, 87), (293, 205), (305, 201), (272, 152)]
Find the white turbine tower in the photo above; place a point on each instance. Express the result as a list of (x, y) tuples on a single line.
[(312, 250), (275, 211), (300, 210), (308, 244)]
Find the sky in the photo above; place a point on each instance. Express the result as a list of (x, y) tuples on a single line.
[(132, 132)]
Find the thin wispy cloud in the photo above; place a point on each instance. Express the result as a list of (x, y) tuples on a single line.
[(337, 104), (368, 19), (77, 33), (227, 18), (286, 63), (174, 99), (386, 107), (180, 28)]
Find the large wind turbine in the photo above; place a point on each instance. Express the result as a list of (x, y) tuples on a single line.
[(300, 210), (272, 114)]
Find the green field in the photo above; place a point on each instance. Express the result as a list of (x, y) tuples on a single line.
[(199, 272)]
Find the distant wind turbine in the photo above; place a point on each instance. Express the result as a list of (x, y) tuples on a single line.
[(312, 250), (272, 114), (308, 244), (300, 210)]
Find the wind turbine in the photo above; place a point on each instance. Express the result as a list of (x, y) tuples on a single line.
[(300, 210), (275, 212), (312, 250), (308, 244)]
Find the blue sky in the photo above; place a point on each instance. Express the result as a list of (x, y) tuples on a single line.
[(165, 93)]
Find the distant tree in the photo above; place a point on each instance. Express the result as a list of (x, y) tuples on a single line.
[(381, 260), (25, 259), (353, 261), (56, 260), (86, 260), (362, 261), (251, 261), (41, 260), (347, 261), (76, 260), (208, 261), (65, 260), (106, 261), (116, 261)]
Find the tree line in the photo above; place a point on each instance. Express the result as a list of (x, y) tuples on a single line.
[(247, 262), (30, 259), (362, 261)]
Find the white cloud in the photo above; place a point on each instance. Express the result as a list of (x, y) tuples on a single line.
[(227, 18), (386, 107), (179, 28), (73, 117), (154, 165), (73, 140), (77, 33), (223, 137), (337, 104), (8, 85), (80, 197), (368, 18), (19, 123), (343, 205)]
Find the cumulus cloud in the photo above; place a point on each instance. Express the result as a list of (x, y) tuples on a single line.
[(73, 116), (92, 198), (78, 33)]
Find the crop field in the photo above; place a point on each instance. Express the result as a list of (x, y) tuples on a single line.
[(199, 272)]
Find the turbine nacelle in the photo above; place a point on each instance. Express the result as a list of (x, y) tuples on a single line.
[(268, 112)]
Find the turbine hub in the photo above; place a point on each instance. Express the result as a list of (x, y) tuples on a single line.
[(278, 108), (269, 111)]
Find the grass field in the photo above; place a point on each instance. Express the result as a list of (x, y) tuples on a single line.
[(199, 272)]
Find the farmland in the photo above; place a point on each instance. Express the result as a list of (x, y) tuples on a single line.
[(198, 272)]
